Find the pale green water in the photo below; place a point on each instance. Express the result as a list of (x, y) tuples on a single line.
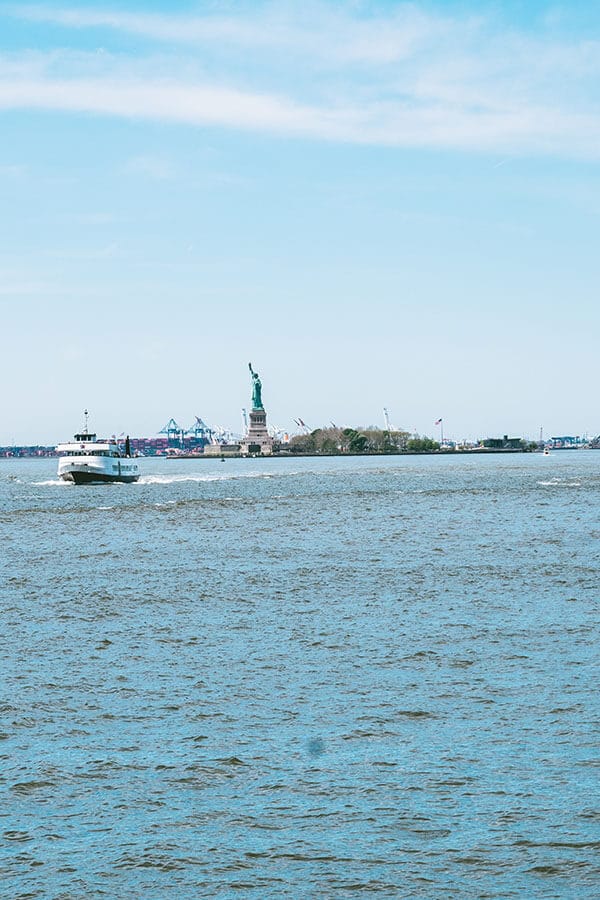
[(302, 678)]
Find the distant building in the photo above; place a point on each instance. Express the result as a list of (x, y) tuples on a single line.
[(504, 443)]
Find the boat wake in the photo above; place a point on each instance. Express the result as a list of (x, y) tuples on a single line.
[(182, 479), (52, 482)]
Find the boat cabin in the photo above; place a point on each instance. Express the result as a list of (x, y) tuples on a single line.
[(86, 444)]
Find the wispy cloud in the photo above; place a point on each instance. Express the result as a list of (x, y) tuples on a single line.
[(195, 104), (403, 79), (279, 26)]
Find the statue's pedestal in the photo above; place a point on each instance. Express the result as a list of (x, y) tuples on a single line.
[(258, 439)]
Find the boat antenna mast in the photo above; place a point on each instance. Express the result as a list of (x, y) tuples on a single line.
[(85, 421)]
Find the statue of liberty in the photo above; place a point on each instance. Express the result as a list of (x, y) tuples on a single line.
[(256, 389)]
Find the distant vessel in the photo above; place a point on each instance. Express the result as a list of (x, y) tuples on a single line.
[(87, 460), (546, 451)]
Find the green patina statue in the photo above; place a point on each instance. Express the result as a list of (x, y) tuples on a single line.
[(256, 389)]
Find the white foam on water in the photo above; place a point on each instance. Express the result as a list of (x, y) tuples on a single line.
[(52, 482), (182, 479), (559, 482)]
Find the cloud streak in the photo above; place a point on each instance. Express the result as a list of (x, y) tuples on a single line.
[(405, 80), (317, 31)]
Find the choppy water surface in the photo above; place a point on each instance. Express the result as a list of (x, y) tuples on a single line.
[(302, 678)]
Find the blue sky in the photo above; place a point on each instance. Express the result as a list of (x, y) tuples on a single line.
[(378, 204)]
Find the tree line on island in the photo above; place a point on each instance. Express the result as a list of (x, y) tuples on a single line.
[(334, 440), (365, 440)]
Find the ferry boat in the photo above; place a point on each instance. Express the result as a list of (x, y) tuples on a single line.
[(87, 460)]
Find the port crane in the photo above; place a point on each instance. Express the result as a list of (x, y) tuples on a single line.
[(222, 435), (174, 433), (200, 430), (304, 429), (277, 433)]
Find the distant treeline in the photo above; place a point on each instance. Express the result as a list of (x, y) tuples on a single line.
[(363, 440)]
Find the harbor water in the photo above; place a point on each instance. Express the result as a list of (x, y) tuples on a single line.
[(310, 678)]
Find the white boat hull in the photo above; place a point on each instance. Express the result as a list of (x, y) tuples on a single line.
[(98, 469)]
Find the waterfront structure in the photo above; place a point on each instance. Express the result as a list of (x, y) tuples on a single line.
[(504, 443), (222, 450), (566, 442), (257, 440)]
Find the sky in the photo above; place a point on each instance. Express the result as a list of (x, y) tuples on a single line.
[(378, 204)]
